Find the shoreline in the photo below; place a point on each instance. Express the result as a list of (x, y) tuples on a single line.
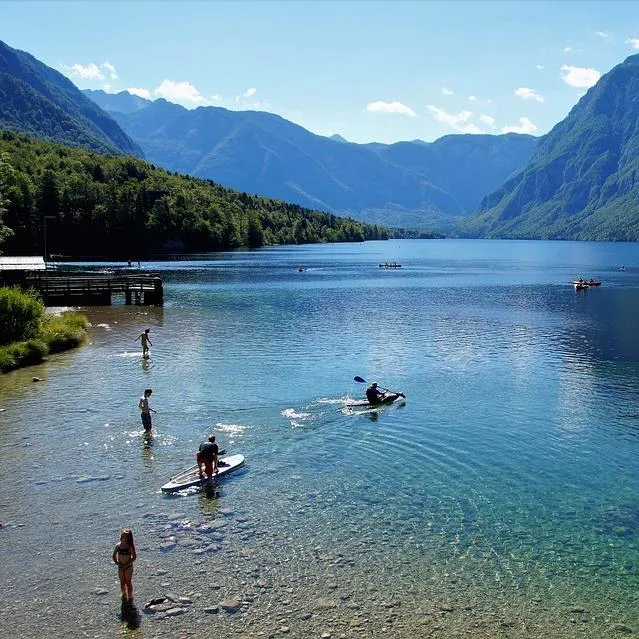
[(222, 576)]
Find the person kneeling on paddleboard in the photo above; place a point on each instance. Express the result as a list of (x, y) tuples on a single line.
[(373, 394), (207, 455)]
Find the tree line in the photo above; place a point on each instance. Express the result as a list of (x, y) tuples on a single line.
[(120, 207)]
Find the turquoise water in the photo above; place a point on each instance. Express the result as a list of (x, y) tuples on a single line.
[(500, 499)]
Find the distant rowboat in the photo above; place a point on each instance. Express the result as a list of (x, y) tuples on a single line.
[(390, 265)]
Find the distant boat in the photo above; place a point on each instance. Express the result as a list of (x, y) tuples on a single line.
[(390, 265), (589, 282)]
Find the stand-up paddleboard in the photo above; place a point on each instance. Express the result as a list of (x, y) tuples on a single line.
[(190, 476), (389, 398)]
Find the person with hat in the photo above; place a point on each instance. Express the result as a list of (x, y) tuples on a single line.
[(207, 455), (373, 394)]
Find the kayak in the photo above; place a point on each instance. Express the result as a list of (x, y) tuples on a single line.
[(389, 398), (190, 477)]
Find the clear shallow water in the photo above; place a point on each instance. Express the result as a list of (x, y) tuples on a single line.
[(501, 499)]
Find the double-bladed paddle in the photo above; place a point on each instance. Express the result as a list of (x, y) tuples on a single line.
[(361, 380)]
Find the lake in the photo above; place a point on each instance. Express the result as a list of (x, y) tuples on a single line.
[(500, 499)]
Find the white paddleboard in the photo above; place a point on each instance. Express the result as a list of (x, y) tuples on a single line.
[(190, 476)]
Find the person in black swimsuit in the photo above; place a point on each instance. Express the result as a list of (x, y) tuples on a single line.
[(124, 555)]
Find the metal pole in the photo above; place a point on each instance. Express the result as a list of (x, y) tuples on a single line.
[(45, 218)]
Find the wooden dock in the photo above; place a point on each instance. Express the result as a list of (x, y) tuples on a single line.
[(70, 288)]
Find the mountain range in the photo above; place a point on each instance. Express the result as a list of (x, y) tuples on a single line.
[(579, 181), (408, 184)]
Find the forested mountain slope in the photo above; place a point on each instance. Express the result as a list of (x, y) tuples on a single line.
[(123, 207), (583, 180), (38, 100)]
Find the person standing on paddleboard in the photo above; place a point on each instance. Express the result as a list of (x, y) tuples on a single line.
[(143, 405), (207, 455)]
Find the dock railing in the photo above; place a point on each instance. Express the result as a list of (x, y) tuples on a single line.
[(57, 287)]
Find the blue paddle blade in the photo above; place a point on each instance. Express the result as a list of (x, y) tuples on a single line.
[(357, 378)]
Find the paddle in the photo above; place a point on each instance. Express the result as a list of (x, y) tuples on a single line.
[(361, 380)]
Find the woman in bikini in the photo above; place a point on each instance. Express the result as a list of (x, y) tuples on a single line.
[(124, 555)]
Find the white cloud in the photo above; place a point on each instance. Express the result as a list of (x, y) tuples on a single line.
[(603, 34), (633, 42), (180, 92), (391, 107), (487, 119), (141, 93), (113, 74), (528, 94), (525, 126), (472, 98), (567, 49), (216, 99), (540, 66), (249, 92), (91, 71), (580, 77), (458, 121), (447, 91), (88, 72)]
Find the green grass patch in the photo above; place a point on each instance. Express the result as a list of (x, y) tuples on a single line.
[(62, 332), (35, 334)]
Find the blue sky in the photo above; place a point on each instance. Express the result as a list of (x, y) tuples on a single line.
[(370, 71)]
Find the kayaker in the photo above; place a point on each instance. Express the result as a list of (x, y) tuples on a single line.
[(207, 455), (373, 394)]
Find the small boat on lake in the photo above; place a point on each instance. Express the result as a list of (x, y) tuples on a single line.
[(580, 283), (390, 265)]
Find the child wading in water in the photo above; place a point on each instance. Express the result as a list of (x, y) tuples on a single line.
[(124, 555)]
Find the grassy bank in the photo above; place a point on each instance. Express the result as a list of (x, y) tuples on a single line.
[(28, 334)]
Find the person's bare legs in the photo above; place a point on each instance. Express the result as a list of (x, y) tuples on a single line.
[(126, 583)]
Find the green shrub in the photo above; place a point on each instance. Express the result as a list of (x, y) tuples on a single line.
[(7, 361), (64, 331), (32, 351), (20, 315), (47, 333)]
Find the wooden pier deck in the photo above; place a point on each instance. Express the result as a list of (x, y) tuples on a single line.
[(59, 288)]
